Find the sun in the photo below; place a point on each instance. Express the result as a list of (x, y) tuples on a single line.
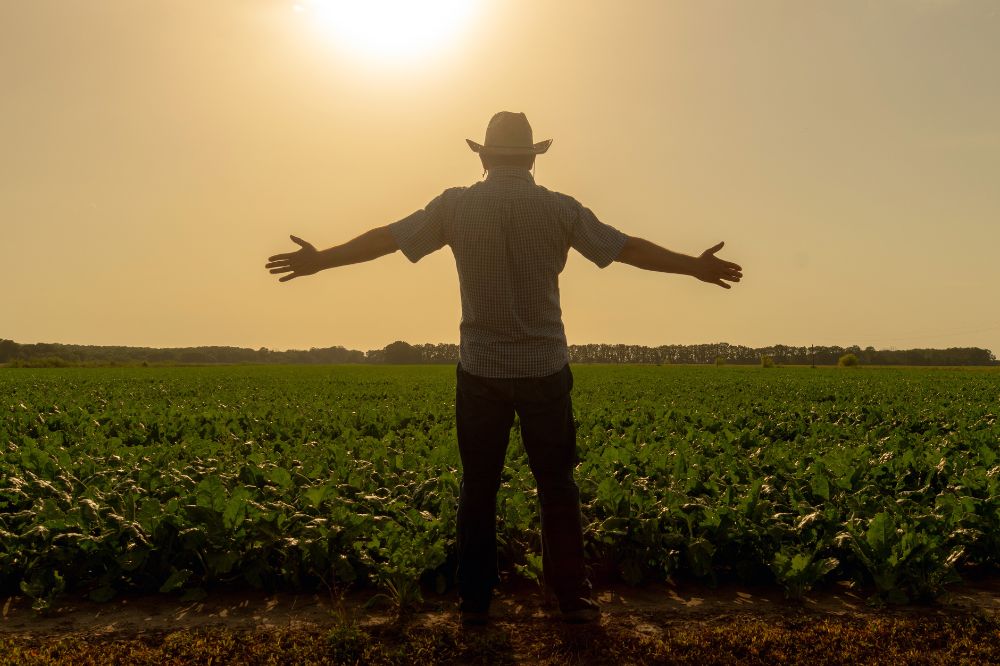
[(389, 29)]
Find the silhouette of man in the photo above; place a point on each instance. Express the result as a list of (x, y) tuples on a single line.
[(510, 238)]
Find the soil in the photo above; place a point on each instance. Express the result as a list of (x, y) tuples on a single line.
[(646, 609)]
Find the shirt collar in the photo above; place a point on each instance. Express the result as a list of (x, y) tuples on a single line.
[(510, 172)]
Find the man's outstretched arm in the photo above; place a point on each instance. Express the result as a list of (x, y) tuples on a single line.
[(307, 259), (641, 253)]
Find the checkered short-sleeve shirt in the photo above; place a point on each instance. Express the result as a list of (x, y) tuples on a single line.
[(510, 238)]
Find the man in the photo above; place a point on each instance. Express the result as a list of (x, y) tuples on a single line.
[(510, 238)]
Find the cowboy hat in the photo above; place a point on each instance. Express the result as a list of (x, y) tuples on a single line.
[(509, 134)]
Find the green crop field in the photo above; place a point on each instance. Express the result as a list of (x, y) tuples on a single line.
[(177, 479)]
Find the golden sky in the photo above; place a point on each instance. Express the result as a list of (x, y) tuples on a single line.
[(153, 154)]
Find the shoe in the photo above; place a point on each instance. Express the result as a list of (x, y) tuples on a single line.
[(475, 612), (475, 618), (580, 611)]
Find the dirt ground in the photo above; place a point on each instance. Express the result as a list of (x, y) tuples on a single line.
[(254, 609)]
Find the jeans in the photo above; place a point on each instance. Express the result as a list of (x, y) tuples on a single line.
[(485, 411)]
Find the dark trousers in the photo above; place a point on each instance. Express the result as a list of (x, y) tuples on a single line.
[(485, 411)]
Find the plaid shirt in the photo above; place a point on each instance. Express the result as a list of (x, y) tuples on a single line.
[(510, 238)]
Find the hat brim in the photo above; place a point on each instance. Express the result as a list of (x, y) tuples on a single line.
[(535, 149)]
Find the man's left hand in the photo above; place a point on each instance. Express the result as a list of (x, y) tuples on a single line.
[(709, 268)]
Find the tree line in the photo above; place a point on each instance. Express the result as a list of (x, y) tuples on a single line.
[(399, 352)]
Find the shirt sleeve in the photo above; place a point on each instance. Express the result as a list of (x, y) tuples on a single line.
[(423, 232), (600, 243)]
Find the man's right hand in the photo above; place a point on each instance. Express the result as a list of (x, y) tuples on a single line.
[(304, 261), (307, 260)]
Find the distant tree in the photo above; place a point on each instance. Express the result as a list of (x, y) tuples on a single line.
[(400, 352), (194, 356), (8, 350), (439, 353), (848, 361), (767, 361), (334, 355)]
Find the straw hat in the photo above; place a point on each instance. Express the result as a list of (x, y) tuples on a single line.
[(509, 134)]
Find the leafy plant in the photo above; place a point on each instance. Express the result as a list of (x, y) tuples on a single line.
[(798, 571), (176, 479), (848, 360)]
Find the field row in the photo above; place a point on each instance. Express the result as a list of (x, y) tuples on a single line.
[(176, 479)]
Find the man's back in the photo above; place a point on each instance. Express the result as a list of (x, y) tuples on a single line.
[(510, 238)]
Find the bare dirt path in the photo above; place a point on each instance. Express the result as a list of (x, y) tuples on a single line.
[(685, 623), (256, 609)]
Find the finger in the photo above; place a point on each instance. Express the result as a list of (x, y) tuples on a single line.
[(283, 269), (279, 262), (721, 284), (727, 267), (279, 257), (715, 248), (299, 241), (288, 277)]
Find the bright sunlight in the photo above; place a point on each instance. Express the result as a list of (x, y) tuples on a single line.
[(389, 29)]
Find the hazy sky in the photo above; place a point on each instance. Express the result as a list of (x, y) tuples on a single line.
[(153, 154)]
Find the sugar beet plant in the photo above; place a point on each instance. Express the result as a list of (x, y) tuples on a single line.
[(177, 479)]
